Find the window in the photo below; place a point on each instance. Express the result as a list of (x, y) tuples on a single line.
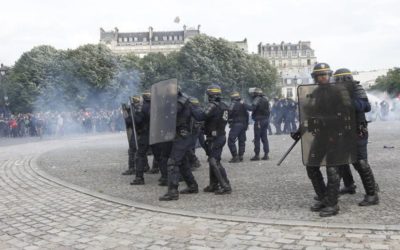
[(130, 39), (156, 38), (164, 38), (308, 62), (180, 38), (175, 38), (170, 38), (125, 39), (135, 39), (144, 39), (120, 39)]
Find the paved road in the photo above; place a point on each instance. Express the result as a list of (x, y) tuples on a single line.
[(36, 213), (260, 189)]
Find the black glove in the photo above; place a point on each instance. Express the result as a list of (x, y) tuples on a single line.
[(295, 135)]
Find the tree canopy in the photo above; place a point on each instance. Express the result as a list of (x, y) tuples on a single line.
[(389, 83), (92, 76)]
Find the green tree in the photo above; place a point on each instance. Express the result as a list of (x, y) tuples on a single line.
[(205, 60), (389, 83), (28, 75)]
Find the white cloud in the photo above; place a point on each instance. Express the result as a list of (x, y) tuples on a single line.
[(354, 33)]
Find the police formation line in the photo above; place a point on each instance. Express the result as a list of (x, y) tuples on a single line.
[(173, 124)]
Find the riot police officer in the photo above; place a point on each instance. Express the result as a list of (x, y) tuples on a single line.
[(135, 100), (327, 194), (361, 105), (260, 114), (180, 146), (142, 121), (238, 119), (195, 127), (215, 117)]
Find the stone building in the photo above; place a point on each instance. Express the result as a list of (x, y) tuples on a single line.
[(294, 63), (142, 43), (242, 45)]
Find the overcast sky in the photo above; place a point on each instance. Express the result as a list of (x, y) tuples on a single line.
[(357, 34)]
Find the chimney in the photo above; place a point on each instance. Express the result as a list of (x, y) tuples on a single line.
[(150, 33)]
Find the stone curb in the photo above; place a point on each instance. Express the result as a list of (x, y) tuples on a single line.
[(279, 222)]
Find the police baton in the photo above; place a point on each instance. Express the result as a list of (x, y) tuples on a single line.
[(288, 152)]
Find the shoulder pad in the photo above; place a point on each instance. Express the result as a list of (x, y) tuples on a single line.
[(183, 99), (359, 91)]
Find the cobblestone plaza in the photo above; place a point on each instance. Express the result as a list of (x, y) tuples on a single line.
[(69, 194)]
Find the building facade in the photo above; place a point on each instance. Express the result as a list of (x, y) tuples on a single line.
[(142, 43), (294, 63)]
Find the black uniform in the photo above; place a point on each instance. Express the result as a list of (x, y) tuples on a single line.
[(142, 122), (180, 146), (260, 115), (215, 117), (238, 122), (362, 166), (132, 147)]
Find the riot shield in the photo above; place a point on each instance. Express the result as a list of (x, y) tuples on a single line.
[(133, 142), (328, 124), (163, 111), (126, 113)]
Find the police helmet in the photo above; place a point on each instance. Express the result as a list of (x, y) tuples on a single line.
[(214, 91), (255, 91), (235, 95), (194, 101), (343, 75), (146, 95), (321, 69), (136, 99)]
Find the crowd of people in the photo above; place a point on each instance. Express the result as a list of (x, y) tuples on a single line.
[(60, 123)]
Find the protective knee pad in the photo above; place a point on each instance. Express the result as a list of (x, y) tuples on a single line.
[(313, 172), (367, 176)]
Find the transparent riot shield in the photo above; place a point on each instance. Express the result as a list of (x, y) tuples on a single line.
[(133, 141), (163, 111), (328, 124), (126, 111)]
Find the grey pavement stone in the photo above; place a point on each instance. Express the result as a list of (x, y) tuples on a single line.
[(37, 213)]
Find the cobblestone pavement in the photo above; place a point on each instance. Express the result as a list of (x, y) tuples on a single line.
[(36, 213), (260, 189)]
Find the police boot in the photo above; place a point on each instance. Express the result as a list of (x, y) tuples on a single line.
[(368, 180), (369, 200), (255, 158), (131, 163), (191, 189), (332, 192), (138, 181), (348, 190), (130, 171), (235, 159), (224, 190), (319, 187), (241, 158), (213, 186), (220, 174), (329, 211), (266, 157), (171, 195)]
